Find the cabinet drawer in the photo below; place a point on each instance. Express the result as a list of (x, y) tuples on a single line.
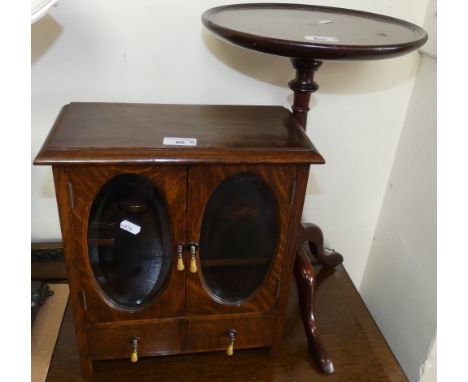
[(212, 334), (113, 340)]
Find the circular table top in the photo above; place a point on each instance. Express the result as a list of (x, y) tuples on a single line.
[(314, 32)]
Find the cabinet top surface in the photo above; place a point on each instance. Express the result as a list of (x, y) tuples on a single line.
[(315, 32), (142, 133)]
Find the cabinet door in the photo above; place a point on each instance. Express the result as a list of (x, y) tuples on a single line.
[(127, 223), (238, 216)]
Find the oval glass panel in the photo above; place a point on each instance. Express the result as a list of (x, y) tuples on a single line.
[(238, 237), (129, 240)]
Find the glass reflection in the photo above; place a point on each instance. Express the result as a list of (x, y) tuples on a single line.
[(238, 237), (129, 240)]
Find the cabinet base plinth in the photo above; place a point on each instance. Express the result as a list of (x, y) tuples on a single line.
[(181, 335)]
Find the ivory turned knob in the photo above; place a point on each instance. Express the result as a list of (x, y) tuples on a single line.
[(180, 264), (193, 258), (230, 349), (193, 265), (232, 338), (134, 354)]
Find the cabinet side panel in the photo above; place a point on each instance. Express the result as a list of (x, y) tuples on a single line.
[(64, 201), (302, 175)]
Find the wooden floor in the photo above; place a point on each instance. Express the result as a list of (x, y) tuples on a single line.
[(353, 340)]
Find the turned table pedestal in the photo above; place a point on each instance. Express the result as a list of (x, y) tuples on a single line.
[(309, 35)]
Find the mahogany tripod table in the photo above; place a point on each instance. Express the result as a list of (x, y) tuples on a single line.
[(309, 35)]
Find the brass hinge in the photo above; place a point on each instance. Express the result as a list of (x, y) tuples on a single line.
[(71, 195), (293, 193), (83, 298)]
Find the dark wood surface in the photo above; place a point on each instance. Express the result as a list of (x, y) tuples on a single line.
[(134, 133), (298, 31), (352, 338), (303, 85), (313, 236), (45, 266)]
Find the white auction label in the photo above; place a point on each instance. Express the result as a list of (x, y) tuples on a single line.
[(321, 38), (130, 227), (180, 141)]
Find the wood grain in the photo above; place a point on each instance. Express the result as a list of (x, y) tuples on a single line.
[(202, 181), (116, 133), (91, 143), (170, 181), (113, 341), (302, 175), (205, 334), (74, 265), (177, 302), (286, 30)]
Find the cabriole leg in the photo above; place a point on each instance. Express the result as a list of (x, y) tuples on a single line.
[(306, 283), (312, 234)]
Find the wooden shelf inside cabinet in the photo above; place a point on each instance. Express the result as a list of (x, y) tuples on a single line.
[(192, 240)]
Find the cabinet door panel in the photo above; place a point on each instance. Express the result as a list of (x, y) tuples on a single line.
[(239, 215), (129, 240), (127, 223), (238, 238)]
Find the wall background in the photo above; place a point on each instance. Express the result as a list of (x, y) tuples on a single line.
[(399, 284), (158, 52)]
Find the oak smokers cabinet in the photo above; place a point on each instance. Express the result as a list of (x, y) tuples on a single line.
[(179, 224)]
